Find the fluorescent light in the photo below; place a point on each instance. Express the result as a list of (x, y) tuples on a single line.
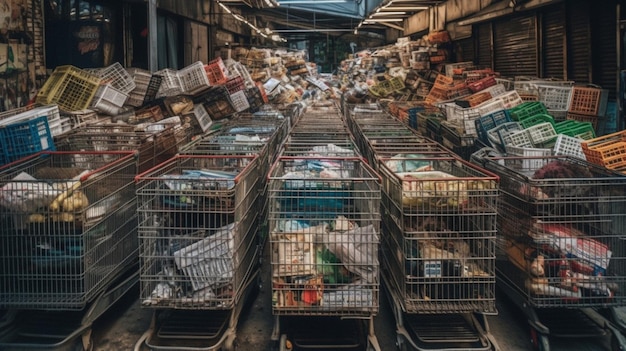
[(313, 2), (389, 13), (406, 8), (384, 20)]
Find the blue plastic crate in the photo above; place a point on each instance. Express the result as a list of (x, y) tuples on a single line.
[(25, 138), (487, 122)]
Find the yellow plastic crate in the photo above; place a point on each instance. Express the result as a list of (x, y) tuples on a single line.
[(69, 87)]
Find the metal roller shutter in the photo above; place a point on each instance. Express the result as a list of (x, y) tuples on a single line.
[(578, 42), (515, 46), (483, 45), (604, 45), (467, 49), (553, 39)]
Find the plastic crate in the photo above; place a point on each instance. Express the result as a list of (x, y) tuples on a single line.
[(216, 71), (609, 155), (573, 128), (585, 101), (475, 99), (510, 99), (496, 136), (591, 144), (489, 122), (496, 90), (533, 158), (593, 119), (255, 100), (555, 97), (237, 69), (568, 146), (519, 138), (234, 84), (536, 119), (193, 78), (116, 76), (542, 134), (506, 83), (490, 106), (239, 101), (70, 88), (482, 84), (108, 94), (454, 112), (527, 109), (170, 83), (25, 138), (558, 115)]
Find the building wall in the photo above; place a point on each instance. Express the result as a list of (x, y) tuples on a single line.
[(22, 68)]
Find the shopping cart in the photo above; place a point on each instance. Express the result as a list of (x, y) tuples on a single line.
[(324, 237), (560, 248), (438, 232), (198, 249), (68, 245)]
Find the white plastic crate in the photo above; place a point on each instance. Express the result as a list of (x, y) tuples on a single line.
[(202, 117), (116, 76), (239, 101), (510, 99), (495, 90), (507, 83), (237, 69), (193, 78), (568, 146), (456, 113), (536, 156), (555, 97), (496, 135), (490, 106), (517, 139), (541, 133), (170, 83)]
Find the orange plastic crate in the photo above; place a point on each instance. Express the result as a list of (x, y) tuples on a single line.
[(605, 149), (585, 101)]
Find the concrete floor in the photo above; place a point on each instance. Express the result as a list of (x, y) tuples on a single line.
[(123, 325)]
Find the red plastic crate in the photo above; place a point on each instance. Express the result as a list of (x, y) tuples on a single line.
[(216, 71)]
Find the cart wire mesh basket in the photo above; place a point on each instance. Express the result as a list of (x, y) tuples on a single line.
[(69, 227), (324, 228), (439, 234), (560, 223), (197, 231)]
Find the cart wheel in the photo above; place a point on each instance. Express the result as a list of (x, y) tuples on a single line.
[(539, 341), (401, 344), (284, 344), (229, 343), (84, 343)]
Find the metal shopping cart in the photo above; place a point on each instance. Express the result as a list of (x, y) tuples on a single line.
[(324, 238), (68, 245), (560, 247), (438, 232), (198, 248), (324, 235)]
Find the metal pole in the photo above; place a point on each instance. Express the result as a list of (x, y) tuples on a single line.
[(153, 58)]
